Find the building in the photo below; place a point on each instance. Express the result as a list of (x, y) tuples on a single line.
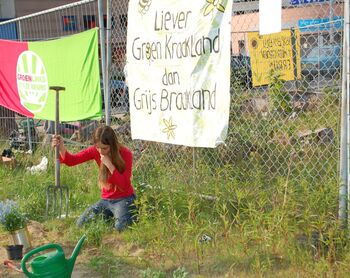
[(312, 19), (17, 8)]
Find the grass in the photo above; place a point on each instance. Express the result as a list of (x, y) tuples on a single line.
[(274, 211), (257, 226)]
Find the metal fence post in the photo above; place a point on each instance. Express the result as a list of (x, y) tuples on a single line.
[(343, 162), (103, 60), (108, 61), (295, 64), (346, 76), (28, 122)]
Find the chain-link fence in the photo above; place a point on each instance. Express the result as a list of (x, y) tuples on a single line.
[(285, 96), (285, 100), (288, 126), (62, 21)]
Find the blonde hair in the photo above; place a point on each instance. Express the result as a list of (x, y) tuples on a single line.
[(107, 136)]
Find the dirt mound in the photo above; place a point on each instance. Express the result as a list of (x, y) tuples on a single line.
[(37, 233)]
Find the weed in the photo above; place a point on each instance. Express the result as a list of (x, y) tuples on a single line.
[(149, 273), (180, 272), (96, 231), (280, 99)]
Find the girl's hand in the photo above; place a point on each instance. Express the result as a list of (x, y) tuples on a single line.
[(57, 140), (106, 160)]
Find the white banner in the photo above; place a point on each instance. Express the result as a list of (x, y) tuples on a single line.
[(178, 64)]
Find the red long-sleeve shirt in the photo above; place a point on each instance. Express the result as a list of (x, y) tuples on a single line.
[(121, 182)]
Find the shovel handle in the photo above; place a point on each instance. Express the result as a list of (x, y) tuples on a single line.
[(57, 89)]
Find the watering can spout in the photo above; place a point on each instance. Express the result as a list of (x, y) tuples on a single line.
[(75, 253)]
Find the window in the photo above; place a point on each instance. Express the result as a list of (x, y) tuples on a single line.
[(69, 23), (8, 31), (89, 21)]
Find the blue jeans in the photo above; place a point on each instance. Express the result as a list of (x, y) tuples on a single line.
[(123, 210)]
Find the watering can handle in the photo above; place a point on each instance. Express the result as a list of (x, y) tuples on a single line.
[(33, 252)]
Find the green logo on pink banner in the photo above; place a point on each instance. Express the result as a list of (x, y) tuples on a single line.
[(32, 81)]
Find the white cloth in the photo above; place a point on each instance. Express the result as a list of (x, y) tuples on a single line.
[(42, 166), (270, 16)]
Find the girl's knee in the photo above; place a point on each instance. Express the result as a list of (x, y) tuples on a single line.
[(88, 215), (80, 221), (120, 226), (123, 222)]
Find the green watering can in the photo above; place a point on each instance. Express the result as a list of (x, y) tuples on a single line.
[(52, 264)]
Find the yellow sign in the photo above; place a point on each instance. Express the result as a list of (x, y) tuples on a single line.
[(273, 53)]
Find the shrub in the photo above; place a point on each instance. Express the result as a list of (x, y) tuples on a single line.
[(11, 218)]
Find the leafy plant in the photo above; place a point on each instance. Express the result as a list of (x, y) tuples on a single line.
[(239, 81), (180, 272), (149, 273), (11, 217), (280, 99), (95, 231)]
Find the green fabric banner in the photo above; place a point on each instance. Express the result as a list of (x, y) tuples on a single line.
[(71, 62)]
